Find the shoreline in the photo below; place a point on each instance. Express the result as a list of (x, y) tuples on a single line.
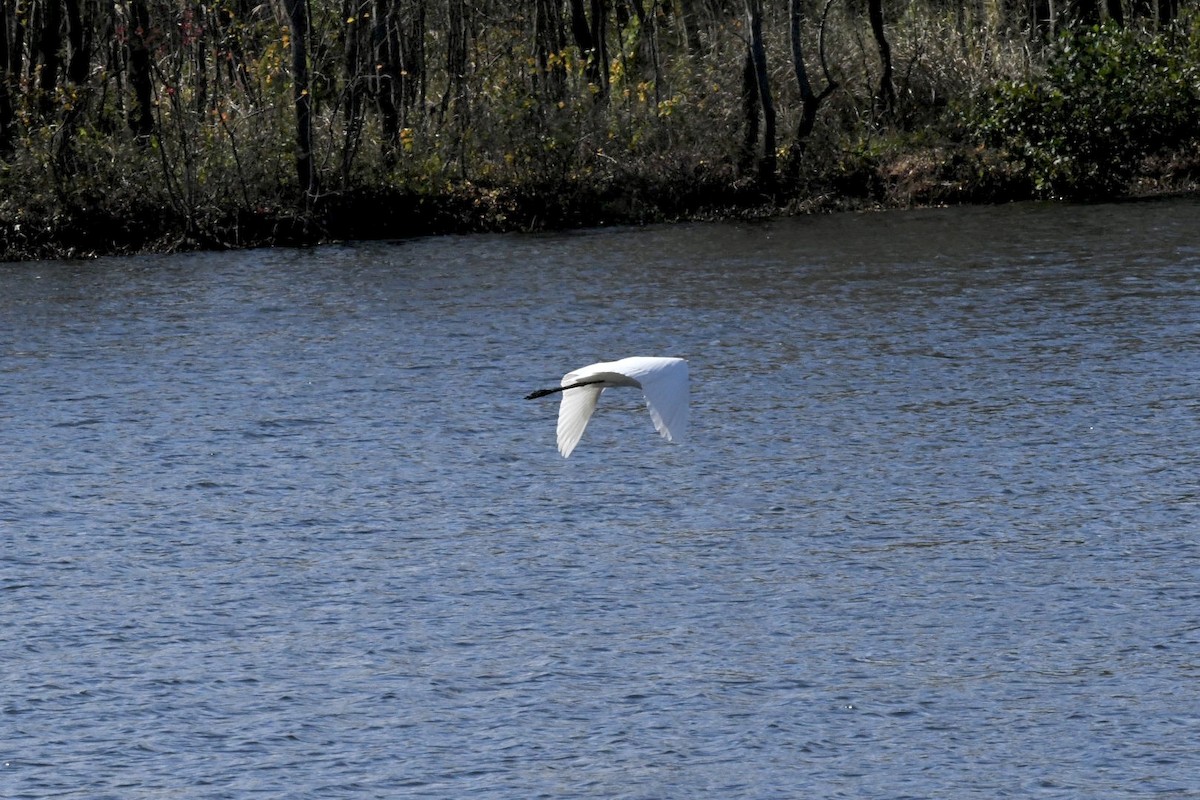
[(936, 177)]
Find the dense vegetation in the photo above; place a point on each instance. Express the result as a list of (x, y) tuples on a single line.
[(134, 124)]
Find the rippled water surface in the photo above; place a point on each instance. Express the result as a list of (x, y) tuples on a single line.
[(280, 524)]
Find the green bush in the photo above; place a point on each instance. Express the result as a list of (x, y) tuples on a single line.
[(1107, 98)]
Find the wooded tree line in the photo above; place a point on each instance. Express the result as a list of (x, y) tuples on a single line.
[(231, 101)]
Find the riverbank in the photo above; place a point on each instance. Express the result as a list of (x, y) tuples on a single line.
[(231, 127), (896, 179)]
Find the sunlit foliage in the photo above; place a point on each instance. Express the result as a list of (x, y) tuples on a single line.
[(172, 122)]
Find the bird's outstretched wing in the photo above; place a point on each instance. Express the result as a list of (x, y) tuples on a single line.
[(663, 381), (665, 385), (573, 414)]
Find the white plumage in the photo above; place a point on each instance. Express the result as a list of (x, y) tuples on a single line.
[(663, 381)]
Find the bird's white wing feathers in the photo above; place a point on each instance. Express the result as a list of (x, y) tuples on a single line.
[(573, 414), (665, 384), (664, 381)]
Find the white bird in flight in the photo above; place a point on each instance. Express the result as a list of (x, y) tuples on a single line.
[(664, 382)]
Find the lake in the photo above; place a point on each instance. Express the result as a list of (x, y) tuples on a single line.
[(279, 523)]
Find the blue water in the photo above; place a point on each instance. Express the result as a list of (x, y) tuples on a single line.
[(279, 524)]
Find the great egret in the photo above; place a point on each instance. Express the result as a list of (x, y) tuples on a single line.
[(664, 382)]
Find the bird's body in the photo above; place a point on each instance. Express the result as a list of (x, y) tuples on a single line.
[(664, 382)]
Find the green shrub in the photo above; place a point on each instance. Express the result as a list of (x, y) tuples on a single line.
[(1107, 98)]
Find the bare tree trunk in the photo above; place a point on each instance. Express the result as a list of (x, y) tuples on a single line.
[(414, 58), (141, 118), (1168, 12), (7, 112), (548, 38), (749, 114), (388, 78), (1115, 11), (17, 21), (1043, 20), (758, 59), (297, 13), (454, 101), (48, 48), (691, 28), (810, 101), (77, 66), (600, 40), (885, 98), (357, 62), (590, 38)]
